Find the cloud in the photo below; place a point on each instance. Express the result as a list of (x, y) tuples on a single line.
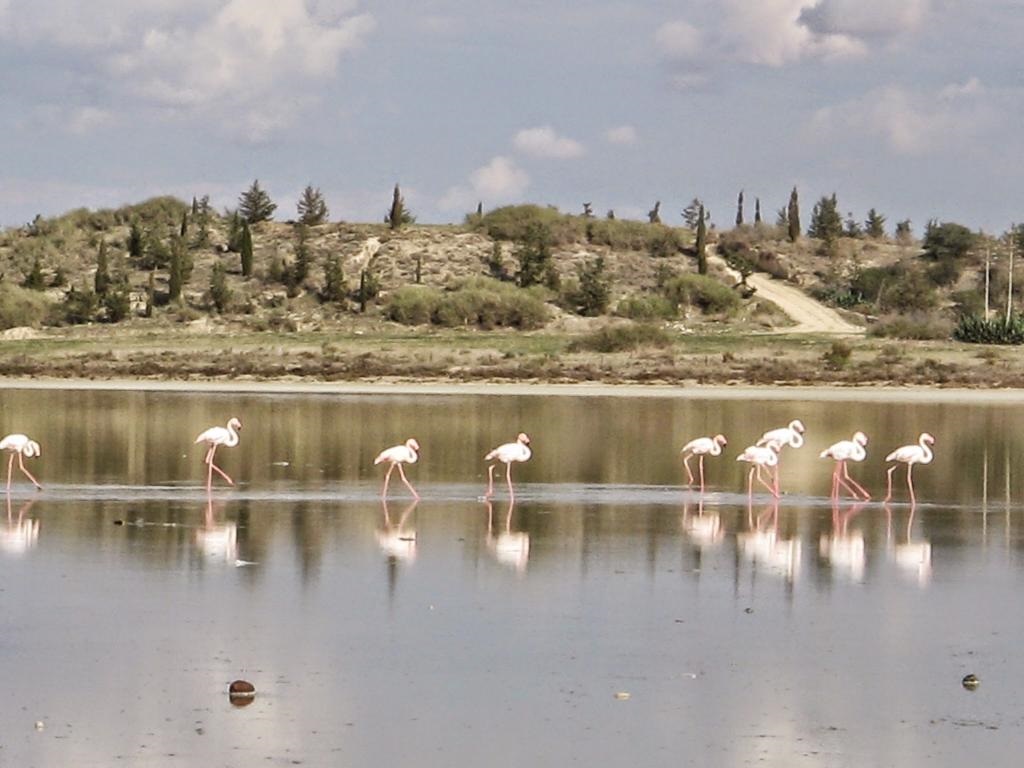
[(909, 122), (500, 181), (678, 40), (85, 120), (544, 142), (249, 64), (778, 33), (622, 134)]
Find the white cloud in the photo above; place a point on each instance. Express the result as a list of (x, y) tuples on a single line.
[(678, 40), (544, 142), (500, 181), (908, 122), (247, 64), (622, 134), (865, 18), (87, 119)]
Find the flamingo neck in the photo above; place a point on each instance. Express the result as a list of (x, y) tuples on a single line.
[(926, 450), (232, 436)]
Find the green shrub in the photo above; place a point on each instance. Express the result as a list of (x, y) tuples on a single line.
[(413, 305), (838, 356), (516, 222), (702, 292), (975, 329), (164, 211), (663, 241), (649, 307), (20, 306), (622, 338), (481, 302)]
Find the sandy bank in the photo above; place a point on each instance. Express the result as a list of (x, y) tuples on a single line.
[(774, 393)]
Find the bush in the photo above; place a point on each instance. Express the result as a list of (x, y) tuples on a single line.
[(663, 241), (838, 356), (622, 338), (517, 222), (645, 308), (163, 211), (975, 329), (702, 292), (481, 302), (919, 326), (20, 306)]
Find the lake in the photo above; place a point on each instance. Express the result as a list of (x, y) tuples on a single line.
[(609, 617)]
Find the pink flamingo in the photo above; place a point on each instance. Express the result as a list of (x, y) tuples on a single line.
[(701, 447), (842, 452), (760, 456), (919, 453), (214, 437), (24, 448), (792, 435), (396, 456), (506, 454)]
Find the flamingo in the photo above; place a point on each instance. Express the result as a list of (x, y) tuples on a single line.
[(760, 456), (214, 437), (841, 452), (792, 435), (700, 447), (919, 453), (396, 456), (506, 454), (24, 448)]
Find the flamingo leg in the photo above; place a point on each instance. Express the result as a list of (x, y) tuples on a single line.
[(214, 468), (490, 481), (407, 483), (10, 469), (700, 463), (888, 491), (387, 478), (508, 478), (773, 490), (858, 486), (689, 474), (222, 473), (21, 466), (910, 484), (750, 483), (835, 482)]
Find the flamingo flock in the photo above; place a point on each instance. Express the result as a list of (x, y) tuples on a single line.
[(763, 456)]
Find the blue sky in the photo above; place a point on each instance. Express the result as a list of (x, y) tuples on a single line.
[(913, 107)]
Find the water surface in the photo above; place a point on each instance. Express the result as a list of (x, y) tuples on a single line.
[(608, 617)]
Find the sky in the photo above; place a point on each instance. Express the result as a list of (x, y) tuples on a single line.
[(911, 107)]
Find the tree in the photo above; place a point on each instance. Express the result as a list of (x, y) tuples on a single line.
[(652, 215), (826, 223), (150, 295), (534, 256), (334, 279), (702, 243), (692, 213), (903, 232), (79, 306), (595, 288), (34, 279), (300, 268), (255, 205), (852, 227), (174, 281), (235, 227), (220, 294), (946, 241), (101, 281), (398, 214), (311, 207), (183, 229), (245, 250), (201, 215), (739, 210), (136, 240), (369, 287), (757, 210), (874, 225), (793, 217), (117, 301)]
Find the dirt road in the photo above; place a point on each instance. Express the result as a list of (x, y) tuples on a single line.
[(809, 315)]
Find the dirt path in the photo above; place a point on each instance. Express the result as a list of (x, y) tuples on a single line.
[(809, 315)]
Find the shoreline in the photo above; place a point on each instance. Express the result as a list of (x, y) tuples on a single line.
[(824, 393)]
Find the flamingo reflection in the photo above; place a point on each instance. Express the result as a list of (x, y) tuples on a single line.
[(510, 547), (217, 542), (704, 529), (19, 536), (395, 540), (914, 557), (844, 550), (762, 544)]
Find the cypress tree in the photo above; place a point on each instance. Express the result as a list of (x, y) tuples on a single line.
[(739, 210), (398, 213), (757, 210), (334, 279), (101, 282), (793, 217), (702, 237), (174, 280), (245, 250), (300, 269), (150, 295), (219, 291), (34, 279)]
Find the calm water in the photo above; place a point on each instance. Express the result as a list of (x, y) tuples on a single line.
[(450, 633)]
